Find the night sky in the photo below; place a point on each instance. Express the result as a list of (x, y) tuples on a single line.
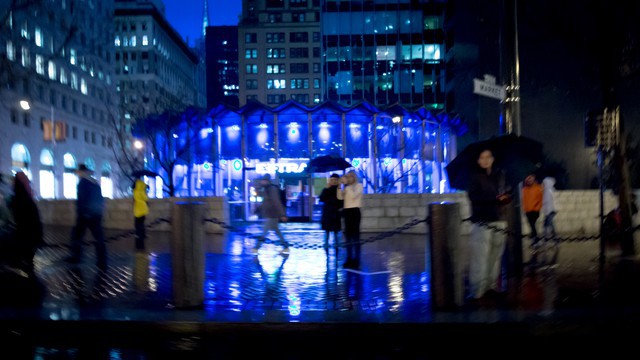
[(186, 15)]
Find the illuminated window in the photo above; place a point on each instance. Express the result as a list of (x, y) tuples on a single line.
[(11, 51), (63, 77), (74, 81), (106, 184), (26, 60), (83, 86), (52, 70), (38, 36), (69, 178), (73, 57), (47, 178), (40, 64), (145, 40), (20, 159), (116, 42)]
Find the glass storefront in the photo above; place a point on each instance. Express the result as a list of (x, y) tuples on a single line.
[(392, 150)]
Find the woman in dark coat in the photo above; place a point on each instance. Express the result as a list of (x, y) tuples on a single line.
[(331, 216), (26, 216)]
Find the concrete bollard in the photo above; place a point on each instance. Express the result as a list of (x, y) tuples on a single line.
[(187, 254), (447, 265)]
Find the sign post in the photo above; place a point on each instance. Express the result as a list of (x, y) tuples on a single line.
[(488, 87)]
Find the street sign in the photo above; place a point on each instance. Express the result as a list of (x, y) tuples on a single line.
[(489, 88)]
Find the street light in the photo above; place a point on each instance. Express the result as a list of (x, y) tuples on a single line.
[(138, 144), (24, 104)]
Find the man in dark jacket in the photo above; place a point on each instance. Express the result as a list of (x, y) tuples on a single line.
[(89, 211)]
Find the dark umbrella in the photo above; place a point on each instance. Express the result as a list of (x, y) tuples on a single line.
[(141, 173), (327, 163), (517, 155)]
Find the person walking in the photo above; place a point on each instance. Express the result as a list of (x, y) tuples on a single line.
[(28, 225), (352, 196), (331, 220), (272, 212), (488, 194), (140, 212), (89, 212), (532, 204), (549, 206)]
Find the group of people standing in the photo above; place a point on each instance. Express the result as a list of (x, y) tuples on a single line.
[(539, 199), (342, 199), (21, 229)]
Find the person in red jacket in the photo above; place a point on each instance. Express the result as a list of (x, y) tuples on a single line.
[(532, 203)]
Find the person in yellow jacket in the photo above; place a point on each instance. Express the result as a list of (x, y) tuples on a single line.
[(140, 211), (532, 203)]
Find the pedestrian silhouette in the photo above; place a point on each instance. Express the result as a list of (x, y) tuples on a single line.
[(331, 221), (89, 212)]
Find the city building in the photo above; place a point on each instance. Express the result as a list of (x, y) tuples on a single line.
[(155, 69), (58, 97), (384, 52), (280, 52), (222, 65)]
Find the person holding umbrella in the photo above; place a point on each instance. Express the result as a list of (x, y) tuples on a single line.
[(488, 194), (331, 220)]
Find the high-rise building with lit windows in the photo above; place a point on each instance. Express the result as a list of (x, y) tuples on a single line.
[(384, 52), (222, 65), (58, 93), (279, 52), (155, 69)]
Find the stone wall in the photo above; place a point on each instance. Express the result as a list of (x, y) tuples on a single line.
[(578, 211), (119, 212)]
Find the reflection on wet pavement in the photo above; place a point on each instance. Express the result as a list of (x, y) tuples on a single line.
[(308, 286)]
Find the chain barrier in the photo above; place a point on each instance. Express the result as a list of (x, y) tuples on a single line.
[(258, 237), (558, 239), (129, 233)]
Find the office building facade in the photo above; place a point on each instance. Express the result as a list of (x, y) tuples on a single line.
[(60, 96)]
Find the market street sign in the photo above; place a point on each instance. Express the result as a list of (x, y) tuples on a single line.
[(488, 87)]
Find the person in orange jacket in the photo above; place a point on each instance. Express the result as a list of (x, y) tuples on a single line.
[(532, 203)]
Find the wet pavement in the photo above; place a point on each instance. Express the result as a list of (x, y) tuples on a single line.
[(291, 306)]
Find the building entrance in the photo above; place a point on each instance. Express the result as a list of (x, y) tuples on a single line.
[(299, 196)]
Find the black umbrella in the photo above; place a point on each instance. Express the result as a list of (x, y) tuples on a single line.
[(517, 155), (141, 173), (327, 163)]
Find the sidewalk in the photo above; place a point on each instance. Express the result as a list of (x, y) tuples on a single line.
[(306, 297)]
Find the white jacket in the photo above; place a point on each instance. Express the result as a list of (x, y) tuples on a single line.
[(548, 195)]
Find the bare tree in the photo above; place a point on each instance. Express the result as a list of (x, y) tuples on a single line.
[(172, 138)]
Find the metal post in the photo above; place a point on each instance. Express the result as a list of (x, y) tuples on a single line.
[(601, 257), (187, 253), (445, 250)]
